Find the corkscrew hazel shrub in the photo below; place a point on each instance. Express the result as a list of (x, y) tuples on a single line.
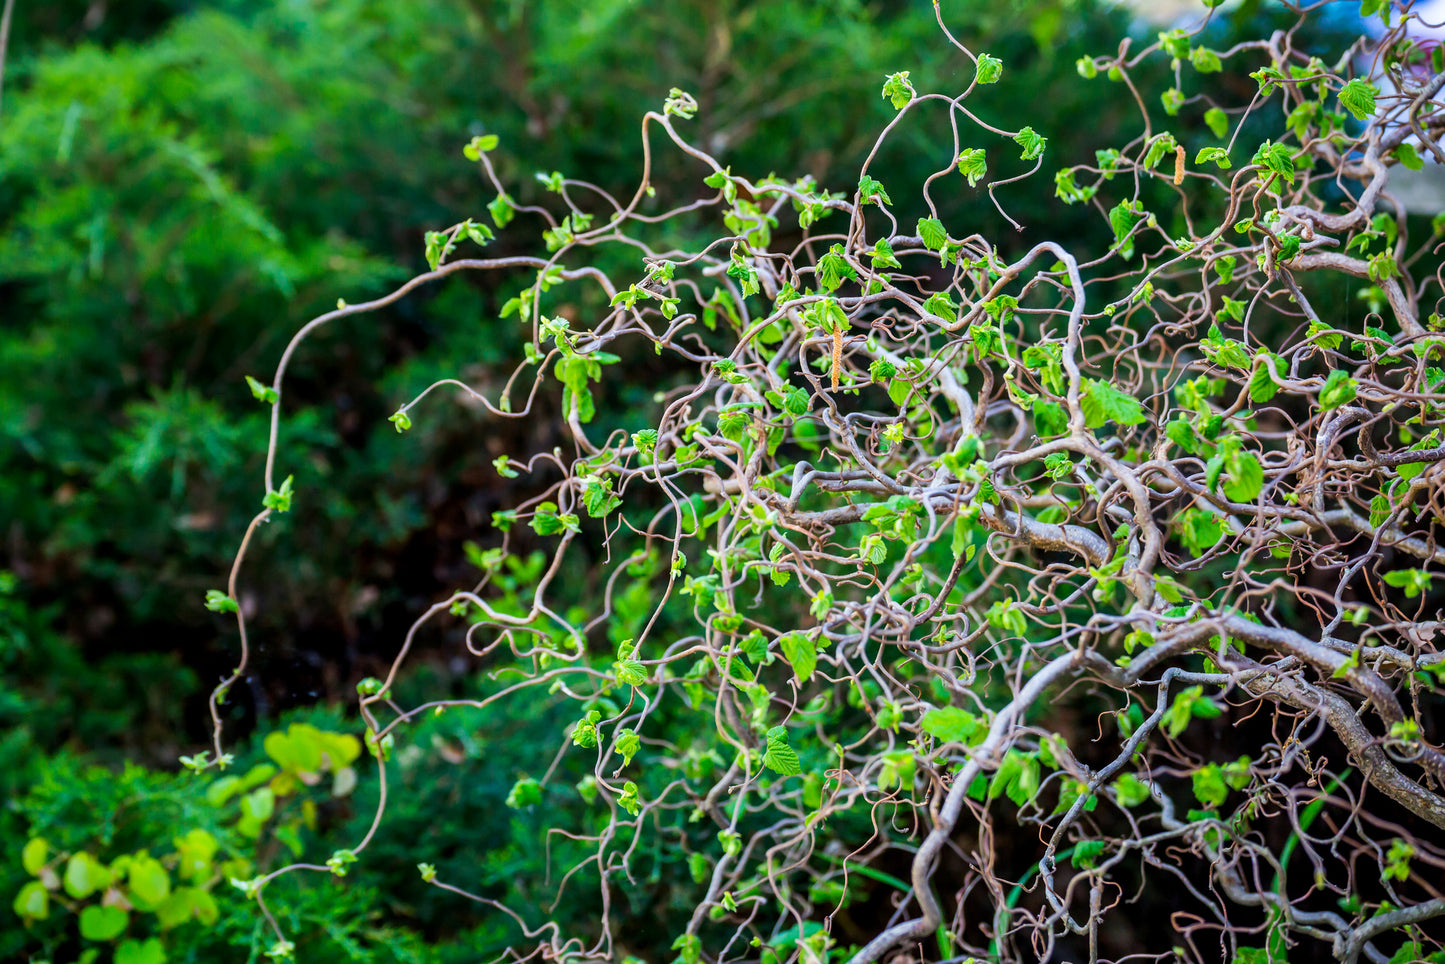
[(931, 534)]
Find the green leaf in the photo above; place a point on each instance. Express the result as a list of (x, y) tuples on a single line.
[(1245, 477), (1413, 582), (262, 393), (681, 103), (149, 881), (525, 792), (779, 756), (1380, 509), (1130, 790), (1205, 60), (1409, 157), (33, 855), (1086, 852), (1103, 403), (1209, 786), (882, 255), (1122, 218), (627, 743), (630, 672), (479, 145), (1276, 158), (151, 951), (280, 499), (870, 190), (1218, 155), (597, 496), (220, 602), (972, 164), (1033, 145), (501, 210), (1175, 43), (931, 231), (950, 724), (939, 303), (1358, 97), (84, 875), (1217, 121), (988, 69), (549, 521), (102, 923), (833, 268), (898, 89), (1339, 389), (801, 653), (1261, 386), (33, 902)]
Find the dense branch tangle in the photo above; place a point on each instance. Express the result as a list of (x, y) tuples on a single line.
[(904, 494)]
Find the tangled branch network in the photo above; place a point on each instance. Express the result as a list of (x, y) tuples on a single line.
[(1121, 550)]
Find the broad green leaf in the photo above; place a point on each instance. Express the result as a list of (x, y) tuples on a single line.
[(933, 234), (150, 883), (102, 923), (150, 951), (34, 855), (779, 756), (1413, 582), (84, 875), (1245, 478), (988, 69), (33, 902), (950, 724), (1358, 97), (1217, 121), (630, 672), (1103, 404), (1217, 155), (1339, 389), (1122, 219), (800, 652)]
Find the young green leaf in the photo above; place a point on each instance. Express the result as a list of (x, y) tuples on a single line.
[(870, 190), (988, 69), (898, 90), (972, 164), (1033, 145), (1339, 389), (219, 602), (798, 649), (262, 393), (280, 499), (1358, 97)]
